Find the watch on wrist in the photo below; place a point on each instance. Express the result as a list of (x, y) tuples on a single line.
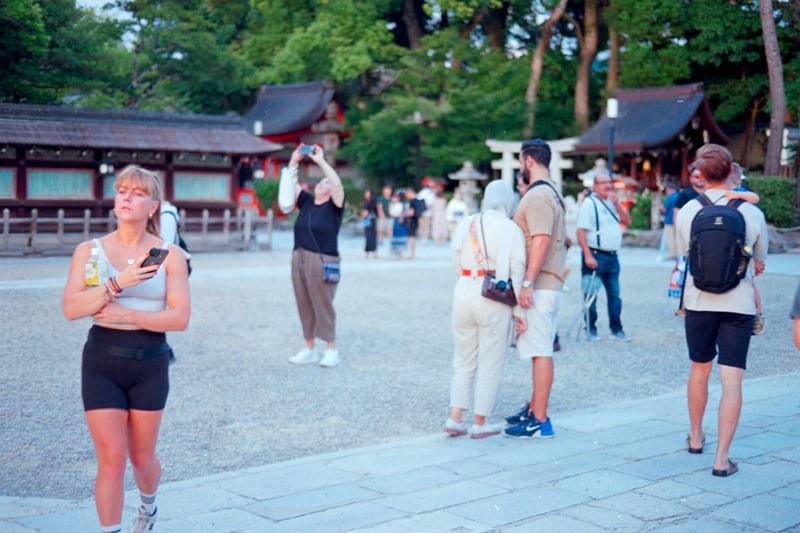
[(527, 284)]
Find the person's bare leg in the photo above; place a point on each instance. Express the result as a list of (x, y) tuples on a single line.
[(142, 440), (730, 407), (697, 398), (109, 430), (542, 383)]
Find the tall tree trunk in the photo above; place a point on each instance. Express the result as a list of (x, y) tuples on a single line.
[(495, 25), (412, 24), (777, 116), (537, 64), (750, 132), (612, 77), (588, 50)]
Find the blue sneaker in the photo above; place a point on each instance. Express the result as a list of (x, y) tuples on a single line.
[(531, 428), (522, 416)]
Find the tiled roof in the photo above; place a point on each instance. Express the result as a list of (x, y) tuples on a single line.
[(651, 118), (133, 130), (289, 108)]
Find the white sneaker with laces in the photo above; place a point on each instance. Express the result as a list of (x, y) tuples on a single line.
[(330, 358), (306, 356), (144, 521)]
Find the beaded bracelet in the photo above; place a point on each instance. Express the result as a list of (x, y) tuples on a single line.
[(115, 284), (112, 287)]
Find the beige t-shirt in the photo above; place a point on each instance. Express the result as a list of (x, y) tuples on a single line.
[(540, 213)]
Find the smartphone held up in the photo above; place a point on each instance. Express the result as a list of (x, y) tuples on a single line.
[(307, 149), (155, 256)]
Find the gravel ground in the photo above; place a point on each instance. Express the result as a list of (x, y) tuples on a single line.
[(235, 402)]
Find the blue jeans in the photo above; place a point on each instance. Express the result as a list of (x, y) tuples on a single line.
[(607, 273)]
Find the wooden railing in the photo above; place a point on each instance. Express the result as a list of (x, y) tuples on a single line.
[(242, 230)]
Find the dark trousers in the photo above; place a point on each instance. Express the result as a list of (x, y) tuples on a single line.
[(607, 273), (371, 236)]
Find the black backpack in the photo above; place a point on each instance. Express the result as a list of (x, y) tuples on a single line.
[(717, 256)]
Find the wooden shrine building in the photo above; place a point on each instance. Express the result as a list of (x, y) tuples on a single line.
[(66, 158), (656, 133)]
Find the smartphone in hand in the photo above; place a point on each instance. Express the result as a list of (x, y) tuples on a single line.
[(156, 256), (307, 149)]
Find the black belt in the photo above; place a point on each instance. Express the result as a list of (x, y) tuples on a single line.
[(604, 252), (128, 353)]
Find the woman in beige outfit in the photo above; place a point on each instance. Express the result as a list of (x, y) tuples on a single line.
[(481, 326)]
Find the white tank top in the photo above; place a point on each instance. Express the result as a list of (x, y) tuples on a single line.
[(149, 295)]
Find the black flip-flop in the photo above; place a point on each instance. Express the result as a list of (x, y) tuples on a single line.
[(694, 450), (731, 470)]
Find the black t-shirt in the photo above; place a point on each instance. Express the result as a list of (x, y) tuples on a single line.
[(418, 204), (317, 226), (684, 196)]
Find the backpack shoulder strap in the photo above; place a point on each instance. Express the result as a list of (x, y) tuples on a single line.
[(735, 203), (555, 192), (704, 200)]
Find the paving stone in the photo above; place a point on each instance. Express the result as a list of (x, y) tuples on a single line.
[(766, 511)]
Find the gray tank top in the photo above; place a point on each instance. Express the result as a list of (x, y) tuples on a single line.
[(149, 295)]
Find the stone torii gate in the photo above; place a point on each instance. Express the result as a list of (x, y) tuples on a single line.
[(508, 164)]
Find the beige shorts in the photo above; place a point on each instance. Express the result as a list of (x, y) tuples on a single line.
[(537, 340), (385, 225)]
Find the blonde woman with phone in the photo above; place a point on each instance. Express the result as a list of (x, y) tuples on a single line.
[(124, 372)]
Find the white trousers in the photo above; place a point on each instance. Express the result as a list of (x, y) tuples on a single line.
[(481, 330)]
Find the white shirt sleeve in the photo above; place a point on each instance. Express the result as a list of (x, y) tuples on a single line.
[(286, 189), (168, 225)]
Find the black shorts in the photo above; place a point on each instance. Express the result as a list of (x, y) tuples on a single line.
[(707, 331), (114, 382), (412, 224)]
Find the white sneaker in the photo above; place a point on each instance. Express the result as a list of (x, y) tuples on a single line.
[(481, 432), (453, 428), (330, 358), (306, 356), (144, 521)]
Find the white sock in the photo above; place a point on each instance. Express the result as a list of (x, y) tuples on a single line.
[(148, 502), (116, 528)]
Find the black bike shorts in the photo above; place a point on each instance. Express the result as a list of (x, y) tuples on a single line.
[(119, 382)]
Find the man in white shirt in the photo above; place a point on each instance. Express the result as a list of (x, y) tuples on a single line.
[(599, 235)]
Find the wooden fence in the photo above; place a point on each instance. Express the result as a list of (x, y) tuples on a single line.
[(242, 230)]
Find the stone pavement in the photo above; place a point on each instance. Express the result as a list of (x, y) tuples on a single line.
[(614, 466), (621, 466)]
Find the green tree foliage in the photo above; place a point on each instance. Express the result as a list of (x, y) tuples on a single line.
[(51, 50), (23, 45), (681, 41), (181, 56), (778, 197), (640, 211), (334, 40), (464, 80)]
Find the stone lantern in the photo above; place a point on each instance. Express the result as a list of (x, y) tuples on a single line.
[(600, 167), (468, 179)]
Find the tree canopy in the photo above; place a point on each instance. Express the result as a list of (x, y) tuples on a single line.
[(423, 82)]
